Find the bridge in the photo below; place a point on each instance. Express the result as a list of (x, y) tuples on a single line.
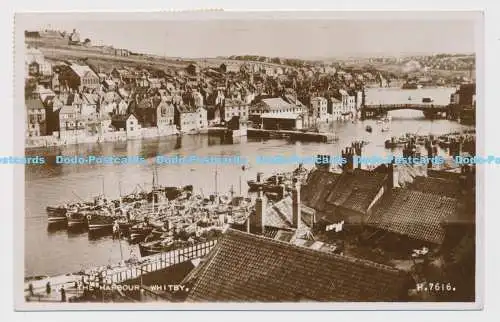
[(430, 110)]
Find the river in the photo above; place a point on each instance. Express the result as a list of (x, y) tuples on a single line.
[(57, 252)]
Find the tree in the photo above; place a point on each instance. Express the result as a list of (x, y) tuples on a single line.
[(276, 60)]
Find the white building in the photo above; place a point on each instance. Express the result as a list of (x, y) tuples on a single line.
[(348, 105), (234, 107), (336, 112), (319, 109), (202, 122)]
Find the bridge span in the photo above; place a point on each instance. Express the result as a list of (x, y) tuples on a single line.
[(430, 110)]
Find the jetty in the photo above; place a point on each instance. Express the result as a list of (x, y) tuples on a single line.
[(292, 135), (224, 131)]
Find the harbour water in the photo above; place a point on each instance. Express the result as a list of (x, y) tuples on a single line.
[(57, 252)]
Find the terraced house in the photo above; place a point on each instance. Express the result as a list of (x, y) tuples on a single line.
[(36, 121)]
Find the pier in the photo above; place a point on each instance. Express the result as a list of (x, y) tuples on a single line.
[(223, 131), (292, 135)]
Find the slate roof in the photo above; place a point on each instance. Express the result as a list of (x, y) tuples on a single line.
[(319, 185), (437, 186), (276, 103), (355, 191), (248, 268), (415, 214), (83, 71), (281, 116)]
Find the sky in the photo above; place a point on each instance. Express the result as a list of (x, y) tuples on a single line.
[(275, 37)]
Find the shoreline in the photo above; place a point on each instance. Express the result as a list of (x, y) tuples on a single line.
[(48, 142)]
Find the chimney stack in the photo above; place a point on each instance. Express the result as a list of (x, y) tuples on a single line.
[(466, 179), (259, 175), (429, 156), (348, 167), (247, 223), (358, 148), (257, 219), (296, 203), (390, 175), (282, 190)]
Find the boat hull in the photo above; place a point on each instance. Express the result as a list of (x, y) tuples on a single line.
[(56, 219), (56, 214), (99, 222), (76, 220), (148, 249), (139, 234)]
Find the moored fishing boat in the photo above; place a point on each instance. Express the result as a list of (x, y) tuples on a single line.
[(77, 218), (100, 221), (140, 231), (56, 214), (395, 142), (125, 224), (158, 246)]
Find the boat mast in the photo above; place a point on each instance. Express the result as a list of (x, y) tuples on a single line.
[(120, 192), (103, 194), (231, 202), (154, 176), (240, 185), (216, 179), (153, 197)]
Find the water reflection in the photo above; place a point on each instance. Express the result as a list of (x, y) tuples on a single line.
[(102, 234), (54, 228), (76, 231)]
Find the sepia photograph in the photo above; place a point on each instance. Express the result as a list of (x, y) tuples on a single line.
[(190, 158)]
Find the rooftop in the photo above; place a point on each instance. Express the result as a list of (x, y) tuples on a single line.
[(283, 115), (415, 214), (436, 186), (319, 185), (356, 191), (276, 103), (248, 268), (82, 70)]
